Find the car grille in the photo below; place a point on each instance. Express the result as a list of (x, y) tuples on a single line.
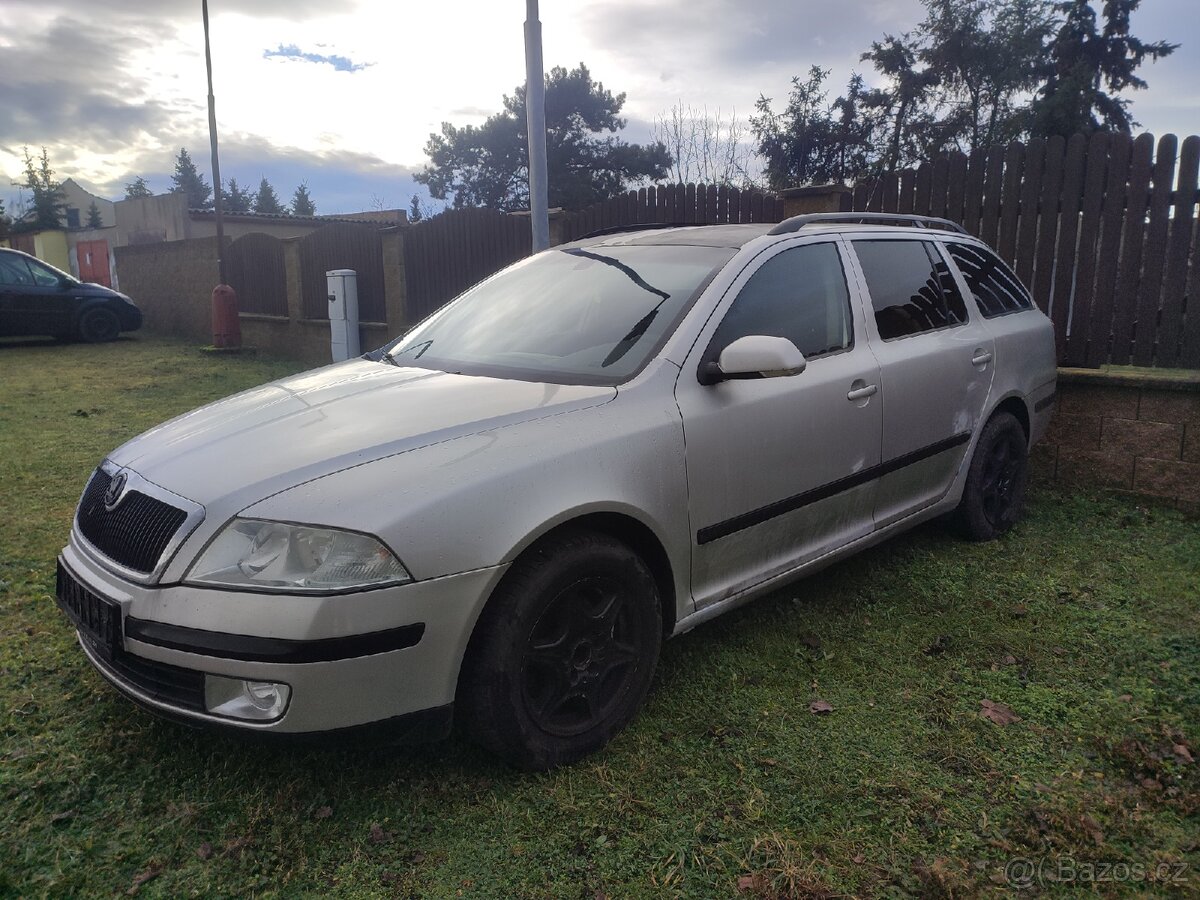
[(98, 620), (136, 533)]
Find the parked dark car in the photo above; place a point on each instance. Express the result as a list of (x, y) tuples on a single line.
[(36, 298)]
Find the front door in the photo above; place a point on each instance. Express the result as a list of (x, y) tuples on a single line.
[(776, 466)]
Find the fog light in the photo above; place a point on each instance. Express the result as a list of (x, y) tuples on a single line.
[(237, 698)]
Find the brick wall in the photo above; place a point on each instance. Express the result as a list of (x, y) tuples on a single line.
[(172, 282), (1133, 430)]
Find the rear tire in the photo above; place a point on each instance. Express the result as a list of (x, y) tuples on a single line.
[(564, 653), (994, 495), (99, 325)]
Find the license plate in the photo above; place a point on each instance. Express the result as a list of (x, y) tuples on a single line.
[(97, 618)]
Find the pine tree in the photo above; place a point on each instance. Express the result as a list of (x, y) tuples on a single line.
[(93, 219), (48, 199), (137, 188), (236, 199), (1087, 67), (187, 180), (266, 201), (415, 213), (302, 203)]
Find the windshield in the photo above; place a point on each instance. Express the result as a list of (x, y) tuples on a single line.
[(587, 315)]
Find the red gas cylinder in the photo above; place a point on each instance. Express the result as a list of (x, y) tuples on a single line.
[(226, 326)]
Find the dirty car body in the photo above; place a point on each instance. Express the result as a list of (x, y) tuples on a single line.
[(353, 545)]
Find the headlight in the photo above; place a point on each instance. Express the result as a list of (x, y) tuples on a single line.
[(276, 556)]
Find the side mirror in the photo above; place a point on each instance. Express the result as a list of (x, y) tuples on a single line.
[(754, 356)]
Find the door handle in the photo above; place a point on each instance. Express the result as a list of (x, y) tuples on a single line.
[(982, 357), (862, 393)]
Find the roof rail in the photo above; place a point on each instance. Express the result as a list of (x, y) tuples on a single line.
[(642, 226), (795, 223)]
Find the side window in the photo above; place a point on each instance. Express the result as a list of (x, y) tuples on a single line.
[(996, 288), (801, 295), (43, 276), (14, 271), (911, 287)]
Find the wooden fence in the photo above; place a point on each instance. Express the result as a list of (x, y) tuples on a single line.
[(446, 254), (1102, 230), (342, 245), (254, 266), (700, 204)]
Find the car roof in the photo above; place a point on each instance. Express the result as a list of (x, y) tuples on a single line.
[(736, 236)]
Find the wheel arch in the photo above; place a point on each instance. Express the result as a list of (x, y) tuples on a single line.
[(1016, 405), (622, 526)]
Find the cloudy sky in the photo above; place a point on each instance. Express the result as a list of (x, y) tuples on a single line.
[(344, 94)]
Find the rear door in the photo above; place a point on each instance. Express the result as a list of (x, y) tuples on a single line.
[(16, 285), (777, 467), (936, 364)]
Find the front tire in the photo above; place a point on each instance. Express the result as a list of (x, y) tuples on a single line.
[(994, 495), (564, 653), (99, 325)]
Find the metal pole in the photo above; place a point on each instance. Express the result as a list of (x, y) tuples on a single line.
[(535, 116), (212, 137)]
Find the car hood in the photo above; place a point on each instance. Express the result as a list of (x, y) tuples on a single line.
[(256, 443)]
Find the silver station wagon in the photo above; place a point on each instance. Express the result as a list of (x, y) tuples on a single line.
[(498, 517)]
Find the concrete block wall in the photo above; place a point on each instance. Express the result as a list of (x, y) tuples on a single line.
[(1129, 429)]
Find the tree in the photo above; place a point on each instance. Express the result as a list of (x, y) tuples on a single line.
[(187, 180), (137, 188), (704, 148), (236, 199), (811, 140), (93, 219), (302, 203), (984, 57), (418, 209), (1086, 68), (488, 165), (47, 204), (5, 222), (266, 201)]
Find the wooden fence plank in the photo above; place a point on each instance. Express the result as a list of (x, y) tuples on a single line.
[(689, 204), (989, 222), (938, 185), (756, 207), (1189, 343), (744, 206), (710, 214), (921, 193), (862, 191), (973, 201), (957, 189), (1133, 238), (1155, 252), (1031, 190), (1010, 201), (1170, 328), (891, 192), (1083, 289), (1048, 224), (1100, 325), (908, 186)]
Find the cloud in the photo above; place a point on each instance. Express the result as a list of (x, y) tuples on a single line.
[(52, 93), (187, 10), (339, 63)]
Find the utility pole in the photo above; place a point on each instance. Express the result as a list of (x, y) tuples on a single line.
[(227, 327), (212, 138), (535, 118)]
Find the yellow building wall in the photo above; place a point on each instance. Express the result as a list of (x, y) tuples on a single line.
[(51, 247)]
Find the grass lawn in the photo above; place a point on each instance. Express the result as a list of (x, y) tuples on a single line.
[(1083, 621)]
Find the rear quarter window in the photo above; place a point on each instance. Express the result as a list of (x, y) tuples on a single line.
[(996, 289)]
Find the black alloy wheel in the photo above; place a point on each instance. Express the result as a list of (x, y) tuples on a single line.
[(564, 653), (994, 494)]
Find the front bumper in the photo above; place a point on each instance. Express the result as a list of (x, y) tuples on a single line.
[(349, 659)]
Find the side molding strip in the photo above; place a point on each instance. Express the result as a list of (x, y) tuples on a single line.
[(710, 533)]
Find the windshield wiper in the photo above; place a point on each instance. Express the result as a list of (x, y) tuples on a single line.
[(393, 357), (622, 268)]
